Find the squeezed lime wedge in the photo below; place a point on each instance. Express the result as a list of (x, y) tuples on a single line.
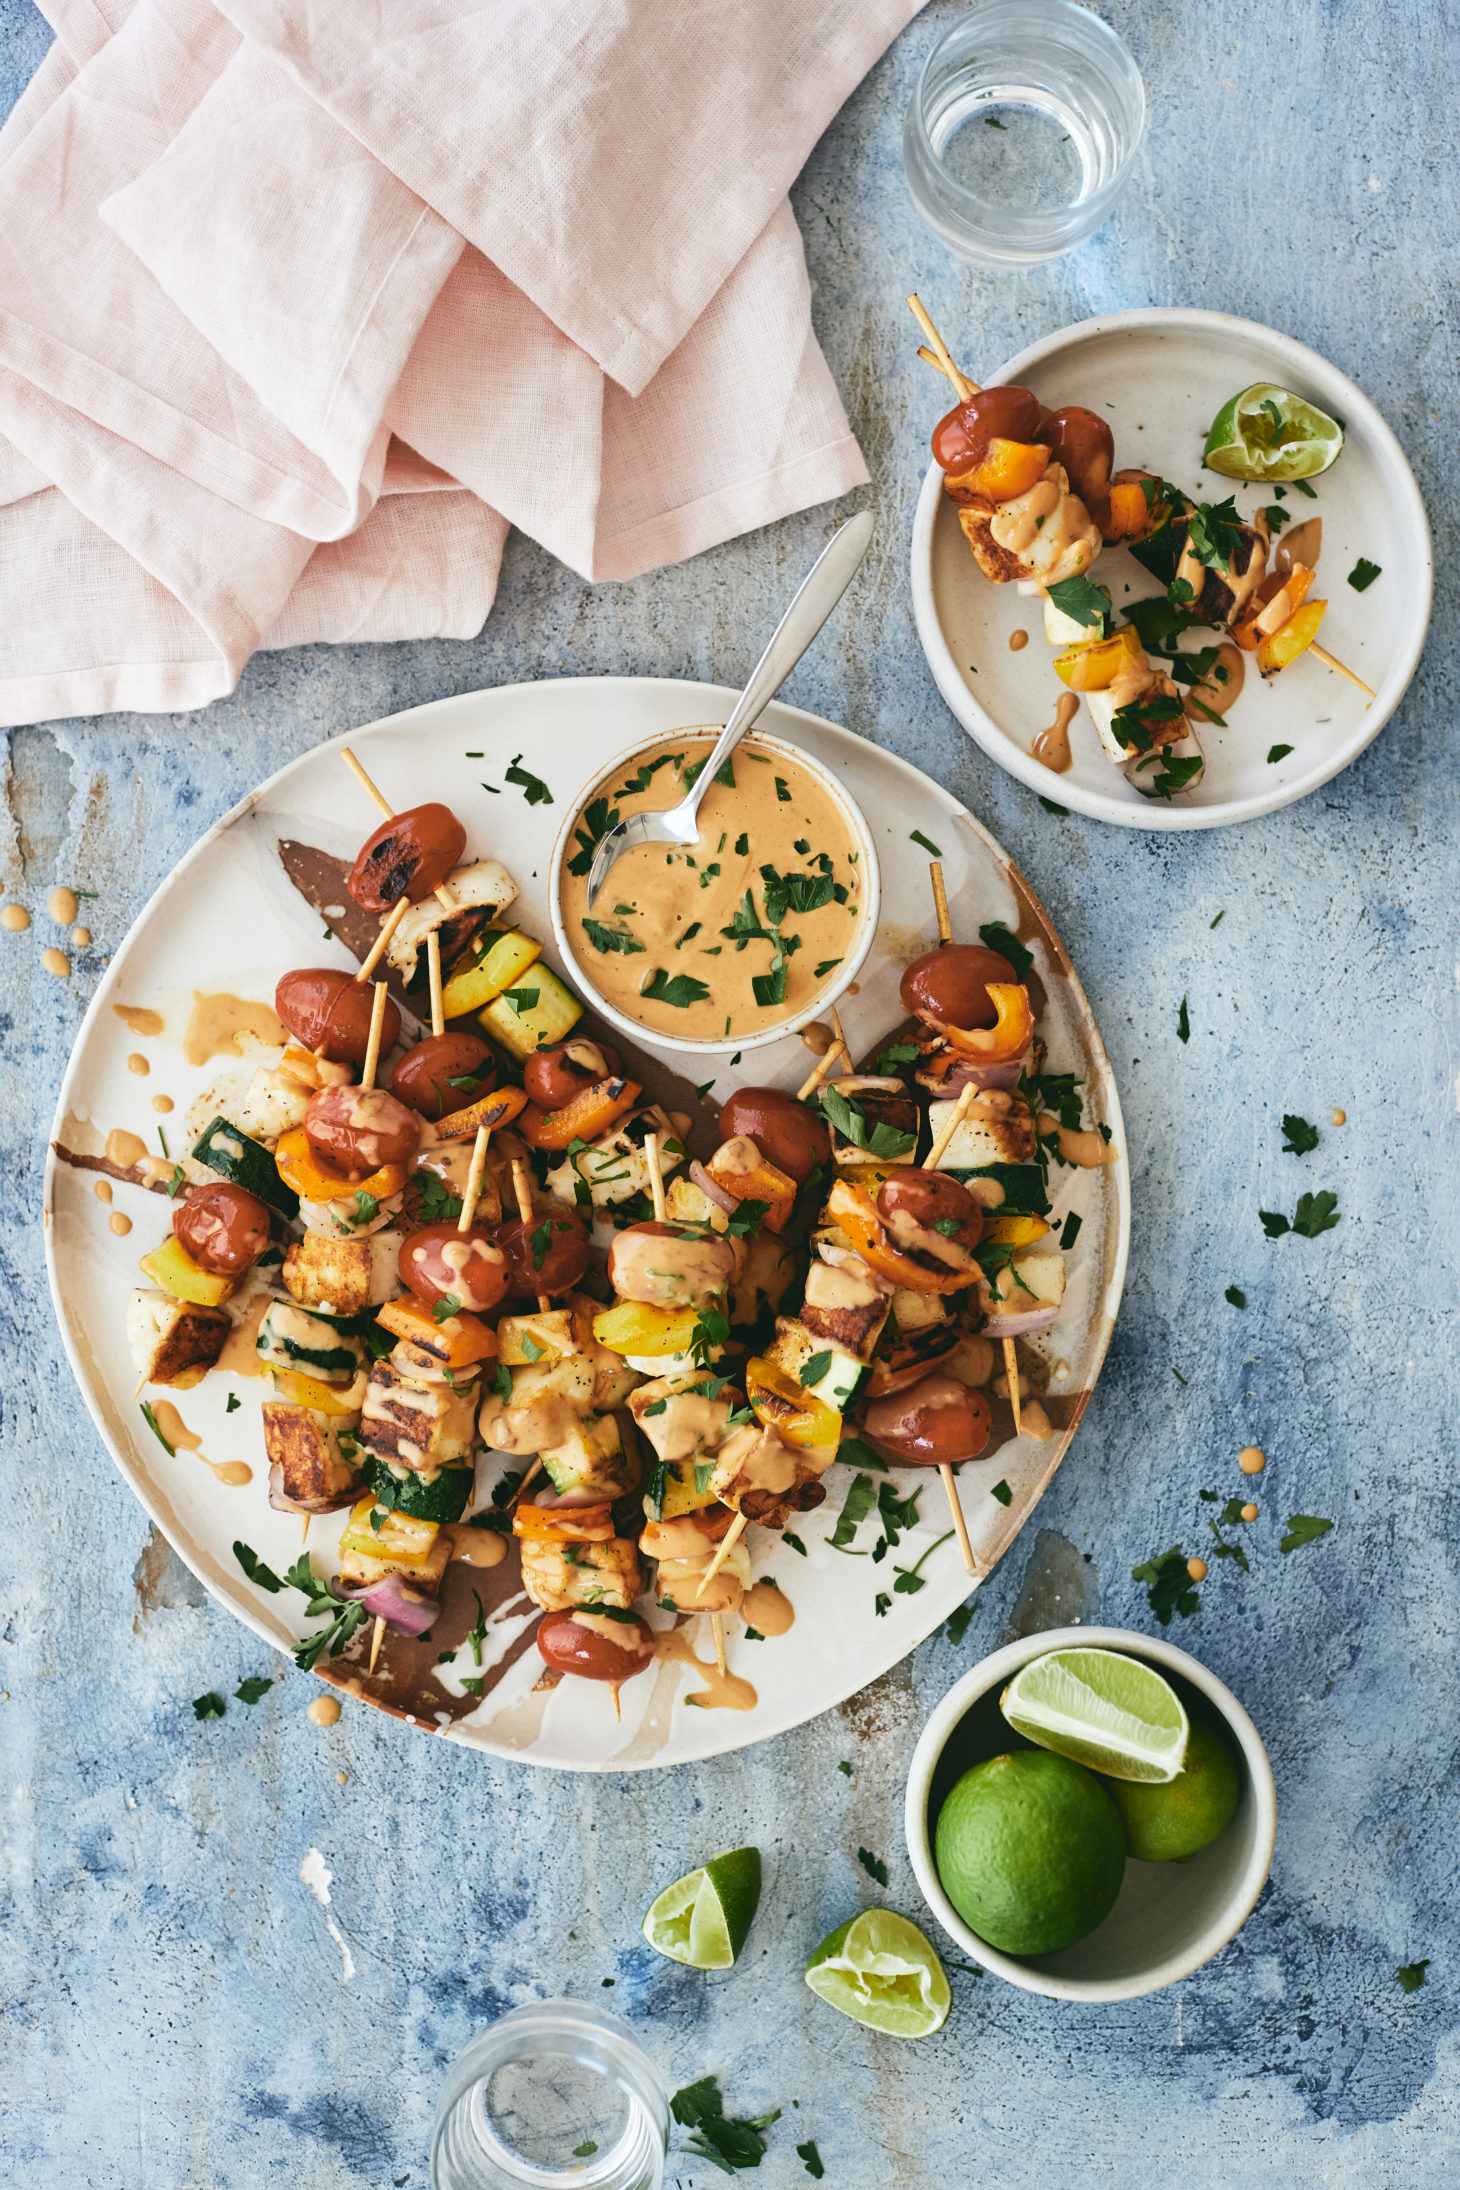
[(1270, 433), (702, 1919), (1111, 1713), (880, 1970)]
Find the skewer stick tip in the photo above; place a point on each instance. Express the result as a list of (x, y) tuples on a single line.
[(717, 1637), (372, 1049), (940, 901), (963, 387), (656, 1176), (1011, 1371), (370, 789), (304, 1530), (433, 965), (723, 1550), (824, 1063), (1331, 661), (377, 1637), (960, 1526), (473, 1192), (613, 1689)]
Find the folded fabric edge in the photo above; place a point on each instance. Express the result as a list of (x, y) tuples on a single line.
[(130, 688), (803, 482)]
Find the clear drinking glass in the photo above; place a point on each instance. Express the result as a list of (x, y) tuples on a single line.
[(556, 2094), (1023, 130)]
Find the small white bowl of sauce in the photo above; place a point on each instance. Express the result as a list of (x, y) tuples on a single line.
[(735, 941)]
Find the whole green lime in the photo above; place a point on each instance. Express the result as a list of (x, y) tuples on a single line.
[(1165, 1824), (1030, 1849)]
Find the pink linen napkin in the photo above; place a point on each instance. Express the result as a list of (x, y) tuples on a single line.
[(224, 288)]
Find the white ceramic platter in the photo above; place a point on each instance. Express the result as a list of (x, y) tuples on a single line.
[(1160, 377), (228, 920)]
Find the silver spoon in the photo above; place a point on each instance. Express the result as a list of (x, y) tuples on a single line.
[(819, 591)]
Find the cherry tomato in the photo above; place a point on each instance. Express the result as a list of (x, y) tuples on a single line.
[(329, 1011), (552, 1077), (569, 1645), (409, 856), (426, 1075), (224, 1228), (359, 1129), (934, 1423), (546, 1253), (438, 1263), (961, 440), (933, 1200), (1083, 442), (789, 1135), (952, 984)]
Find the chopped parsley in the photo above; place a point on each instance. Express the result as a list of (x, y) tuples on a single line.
[(253, 1566), (1215, 533), (234, 1403), (857, 1504), (1081, 600), (210, 1706), (916, 836), (151, 1420), (535, 790), (520, 1000), (1301, 486), (814, 1370), (897, 1053), (996, 937), (177, 1182), (1170, 1587), (1315, 1213), (598, 818), (445, 1308), (850, 1121), (253, 1690), (873, 1865), (958, 1622), (1303, 1528), (438, 1204), (727, 2144), (1275, 753), (812, 2157), (612, 939), (1411, 1977), (1300, 1138), (910, 1579), (1002, 1492), (688, 936), (680, 989), (783, 791), (1236, 1296), (1071, 1230), (1221, 916), (1363, 574), (1183, 1023)]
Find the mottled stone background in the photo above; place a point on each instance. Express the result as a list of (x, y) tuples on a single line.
[(174, 2007)]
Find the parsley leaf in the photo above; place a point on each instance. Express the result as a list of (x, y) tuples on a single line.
[(1302, 486), (917, 837), (253, 1566), (1183, 1023), (438, 1204), (1411, 1977), (1081, 600), (726, 2143), (680, 989), (1215, 533), (612, 939), (812, 2157), (1301, 1137), (857, 1504), (151, 1420), (536, 790), (252, 1690), (1171, 1588), (1071, 1230), (998, 938), (814, 1370), (1315, 1213), (850, 1121), (1303, 1528), (1235, 1294), (210, 1706), (910, 1579), (897, 1053), (1363, 574), (598, 818), (1275, 753), (958, 1622), (1002, 1492), (446, 1307), (873, 1865)]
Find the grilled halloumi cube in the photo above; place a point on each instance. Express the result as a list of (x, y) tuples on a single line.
[(424, 1427), (614, 1168), (768, 1273), (602, 1574), (312, 1464), (417, 1550), (766, 1480), (291, 1338), (823, 1369), (343, 1276), (1032, 1283), (172, 1341), (998, 1128), (591, 1458), (915, 1312), (484, 888), (876, 1101), (678, 1415), (844, 1303), (1063, 630), (546, 1400), (686, 1203), (351, 1216), (681, 1582)]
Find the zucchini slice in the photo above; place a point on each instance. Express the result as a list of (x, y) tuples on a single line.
[(296, 1338), (522, 1025), (229, 1151), (443, 1499)]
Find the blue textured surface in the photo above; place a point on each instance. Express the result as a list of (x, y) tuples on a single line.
[(175, 2014)]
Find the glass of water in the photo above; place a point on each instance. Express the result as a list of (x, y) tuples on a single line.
[(1023, 130), (557, 2094)]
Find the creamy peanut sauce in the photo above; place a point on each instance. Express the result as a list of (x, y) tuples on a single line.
[(475, 1546), (15, 918), (138, 1063), (1048, 528), (103, 1190), (1215, 691), (722, 1691), (1197, 1569), (62, 906), (139, 1019), (164, 1103), (1252, 1459), (818, 1037), (125, 1149), (57, 963), (1052, 746), (182, 1439), (240, 1349), (767, 1610), (81, 937), (1340, 1117), (1304, 544), (1088, 1149), (1034, 1422), (690, 1422), (221, 1026), (119, 1224), (668, 891), (325, 1711), (1018, 640)]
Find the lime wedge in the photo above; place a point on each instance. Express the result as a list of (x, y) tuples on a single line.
[(1270, 433), (703, 1918), (879, 1969), (1111, 1713)]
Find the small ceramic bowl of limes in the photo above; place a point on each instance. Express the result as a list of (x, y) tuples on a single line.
[(1090, 1814)]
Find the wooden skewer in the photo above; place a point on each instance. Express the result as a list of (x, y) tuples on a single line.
[(376, 1639), (723, 1550), (473, 1192), (304, 1532), (389, 925), (373, 791), (656, 1177), (955, 1511), (824, 1063), (1011, 1371), (372, 1047), (523, 1192), (960, 1112), (841, 1034), (1331, 661), (717, 1637), (940, 901), (943, 356), (433, 967)]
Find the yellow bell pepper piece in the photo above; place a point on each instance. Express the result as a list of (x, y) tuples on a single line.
[(173, 1268), (308, 1391), (784, 1407), (475, 982), (1094, 666), (1296, 636), (1013, 1231), (632, 1327), (400, 1538)]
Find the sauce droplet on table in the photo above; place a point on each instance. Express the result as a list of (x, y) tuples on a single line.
[(1252, 1459), (61, 905), (325, 1711), (57, 963), (15, 918)]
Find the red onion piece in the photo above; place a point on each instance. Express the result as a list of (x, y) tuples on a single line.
[(1019, 1326), (391, 1599), (282, 1503), (968, 1074), (712, 1190)]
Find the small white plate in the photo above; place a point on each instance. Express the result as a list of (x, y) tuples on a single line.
[(1160, 377), (228, 919)]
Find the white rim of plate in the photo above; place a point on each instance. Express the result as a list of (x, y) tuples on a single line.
[(1334, 390)]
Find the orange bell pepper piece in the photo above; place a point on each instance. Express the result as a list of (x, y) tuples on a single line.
[(1010, 1034), (1009, 468), (1279, 597), (1127, 515), (311, 1180), (564, 1524), (586, 1117), (853, 1210), (499, 1108), (466, 1337), (763, 1183)]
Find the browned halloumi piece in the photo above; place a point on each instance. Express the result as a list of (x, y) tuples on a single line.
[(844, 1303), (425, 1427), (307, 1471), (173, 1341), (1000, 565), (345, 1276)]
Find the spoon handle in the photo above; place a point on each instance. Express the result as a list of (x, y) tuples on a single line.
[(817, 595)]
